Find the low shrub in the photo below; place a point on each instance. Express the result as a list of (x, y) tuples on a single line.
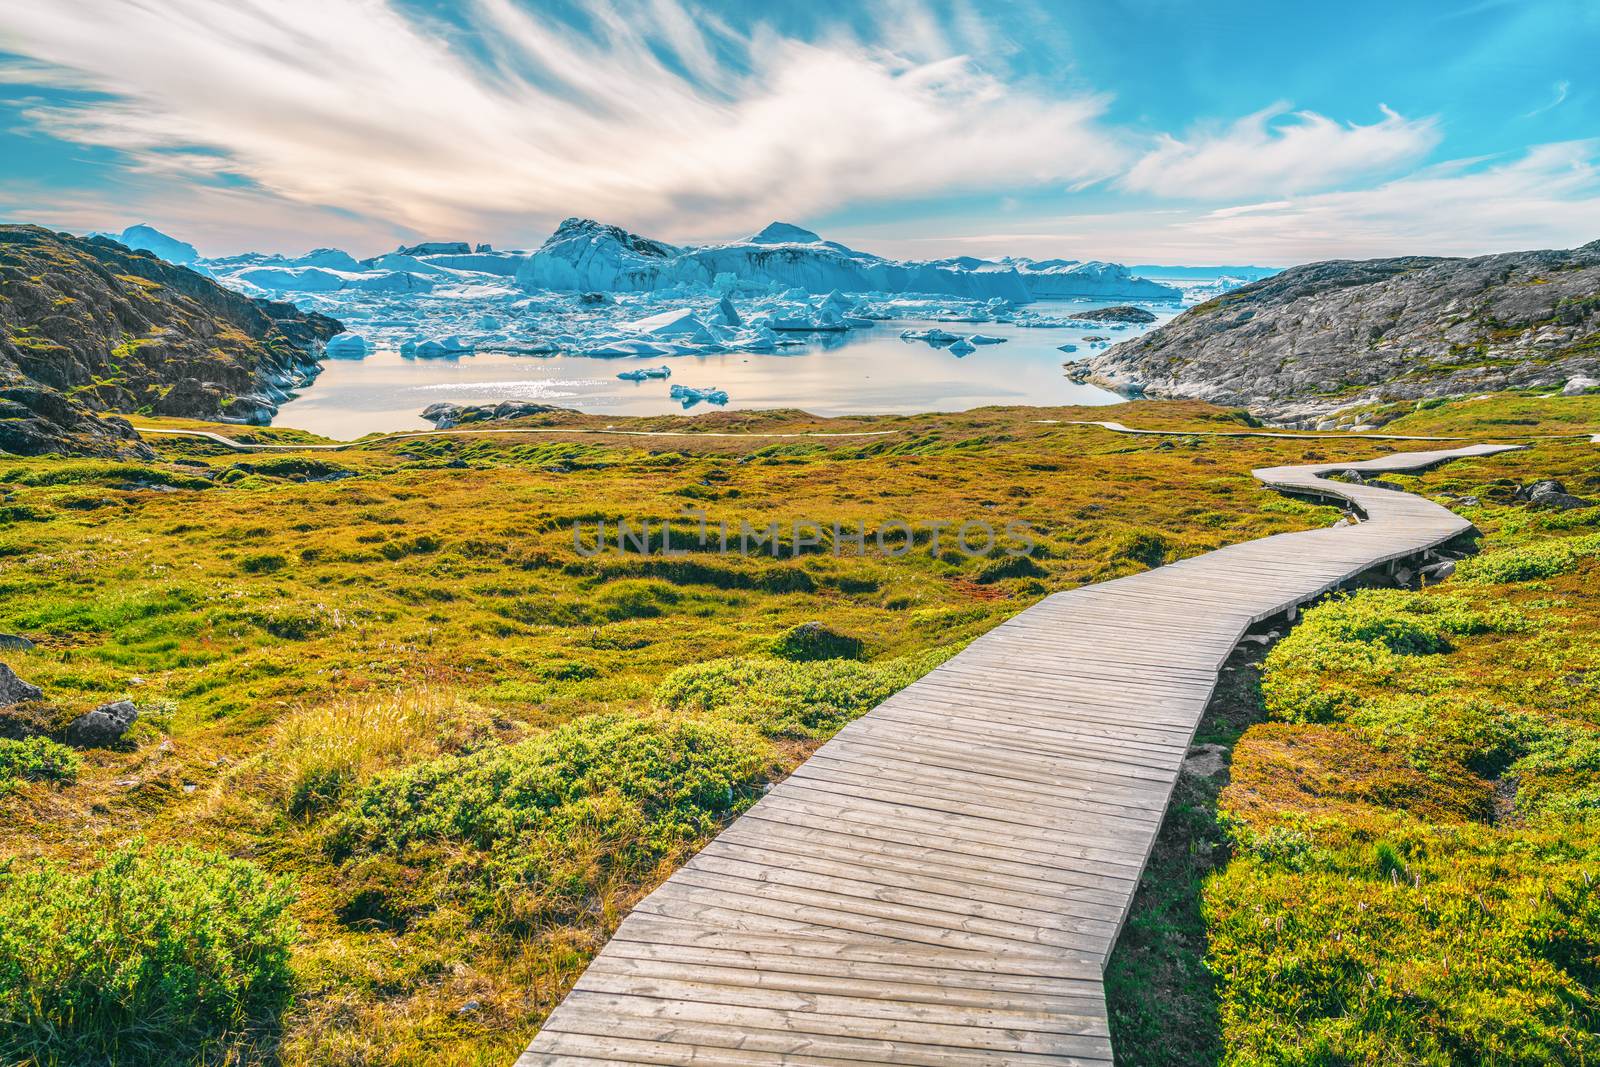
[(523, 833), (157, 951), (37, 759), (814, 641), (1542, 559), (785, 699)]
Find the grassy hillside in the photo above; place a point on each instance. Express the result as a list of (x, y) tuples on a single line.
[(412, 755)]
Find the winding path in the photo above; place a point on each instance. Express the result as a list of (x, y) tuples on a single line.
[(943, 881)]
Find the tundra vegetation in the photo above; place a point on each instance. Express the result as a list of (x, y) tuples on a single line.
[(405, 756)]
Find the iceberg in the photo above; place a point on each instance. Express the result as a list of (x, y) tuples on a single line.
[(692, 396), (682, 324), (934, 336), (962, 347), (346, 346), (986, 339), (437, 347), (645, 372)]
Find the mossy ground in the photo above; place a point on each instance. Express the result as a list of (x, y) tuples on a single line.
[(339, 654), (1402, 866)]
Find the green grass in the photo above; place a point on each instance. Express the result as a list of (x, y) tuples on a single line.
[(1416, 837)]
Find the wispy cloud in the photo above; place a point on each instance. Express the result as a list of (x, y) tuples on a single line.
[(1549, 197), (1276, 151), (1558, 96), (656, 115)]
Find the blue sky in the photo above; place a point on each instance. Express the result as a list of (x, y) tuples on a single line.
[(1146, 132)]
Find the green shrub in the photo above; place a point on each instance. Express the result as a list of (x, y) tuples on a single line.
[(545, 826), (1543, 559), (814, 641), (784, 699), (1009, 567), (638, 598), (1355, 644), (156, 952), (1427, 954), (1145, 547), (37, 759), (263, 563)]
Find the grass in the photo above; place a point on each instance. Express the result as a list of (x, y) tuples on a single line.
[(386, 676), (1412, 838)]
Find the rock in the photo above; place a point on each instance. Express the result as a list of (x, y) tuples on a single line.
[(1403, 576), (1121, 313), (14, 690), (1551, 494), (103, 726), (1580, 384), (111, 329), (1206, 761), (1438, 572), (1349, 334), (447, 416), (15, 641)]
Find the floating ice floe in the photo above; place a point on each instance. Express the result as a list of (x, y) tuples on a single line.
[(437, 347), (986, 339), (690, 396), (645, 373), (933, 336), (962, 347)]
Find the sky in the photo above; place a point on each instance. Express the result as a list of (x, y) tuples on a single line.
[(1148, 131)]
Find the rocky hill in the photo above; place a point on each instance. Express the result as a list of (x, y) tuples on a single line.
[(89, 326), (1326, 336)]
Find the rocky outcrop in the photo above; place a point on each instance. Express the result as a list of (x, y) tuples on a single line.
[(446, 416), (1325, 336), (1120, 313), (89, 326)]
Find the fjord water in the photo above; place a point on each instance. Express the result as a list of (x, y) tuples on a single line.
[(864, 371)]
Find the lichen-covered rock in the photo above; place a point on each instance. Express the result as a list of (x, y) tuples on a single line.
[(103, 726), (1329, 335)]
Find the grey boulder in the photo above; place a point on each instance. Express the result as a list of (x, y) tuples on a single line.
[(14, 690), (103, 726)]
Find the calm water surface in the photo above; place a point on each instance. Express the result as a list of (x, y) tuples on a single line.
[(864, 371)]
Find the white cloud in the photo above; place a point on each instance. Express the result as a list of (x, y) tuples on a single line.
[(1547, 198), (349, 104), (1276, 151), (1558, 96)]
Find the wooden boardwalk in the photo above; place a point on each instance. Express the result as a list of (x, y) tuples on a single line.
[(942, 882)]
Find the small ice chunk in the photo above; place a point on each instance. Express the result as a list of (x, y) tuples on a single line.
[(644, 373), (962, 347)]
